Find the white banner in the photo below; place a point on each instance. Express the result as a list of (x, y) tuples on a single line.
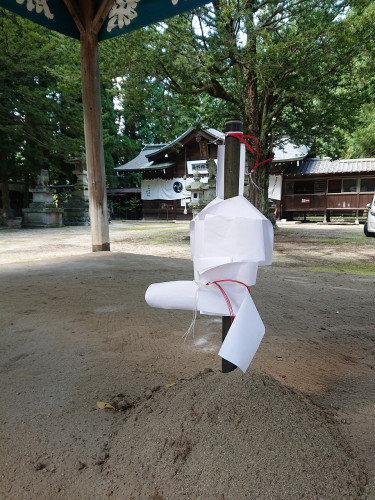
[(162, 189), (274, 187)]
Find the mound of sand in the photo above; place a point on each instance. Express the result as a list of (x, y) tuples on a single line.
[(229, 436)]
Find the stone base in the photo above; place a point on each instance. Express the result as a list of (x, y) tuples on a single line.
[(48, 217), (76, 217)]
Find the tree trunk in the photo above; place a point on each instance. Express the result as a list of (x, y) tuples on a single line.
[(5, 208), (258, 189), (259, 179)]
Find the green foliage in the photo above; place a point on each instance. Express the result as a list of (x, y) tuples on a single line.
[(302, 69), (41, 105), (361, 143), (134, 203), (41, 120), (130, 179), (152, 112)]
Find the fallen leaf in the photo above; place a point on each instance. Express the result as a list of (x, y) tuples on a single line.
[(104, 406)]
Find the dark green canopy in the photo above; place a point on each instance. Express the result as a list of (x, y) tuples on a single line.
[(123, 16)]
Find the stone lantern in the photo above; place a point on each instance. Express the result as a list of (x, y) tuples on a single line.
[(43, 211), (203, 192), (197, 189), (76, 208)]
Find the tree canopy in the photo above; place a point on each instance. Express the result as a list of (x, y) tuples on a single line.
[(290, 69), (286, 67), (41, 117), (41, 105)]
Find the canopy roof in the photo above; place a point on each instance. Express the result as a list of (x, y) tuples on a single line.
[(123, 16)]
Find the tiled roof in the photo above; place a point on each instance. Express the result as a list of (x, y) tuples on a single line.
[(327, 166), (140, 161), (216, 134)]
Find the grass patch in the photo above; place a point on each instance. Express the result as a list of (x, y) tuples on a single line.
[(355, 239), (171, 227), (334, 240), (344, 267)]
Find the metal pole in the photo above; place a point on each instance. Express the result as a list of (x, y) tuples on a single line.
[(231, 187)]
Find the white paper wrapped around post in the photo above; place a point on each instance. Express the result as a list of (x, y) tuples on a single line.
[(234, 229), (229, 239)]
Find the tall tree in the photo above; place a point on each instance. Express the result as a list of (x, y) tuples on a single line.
[(279, 63), (41, 106), (41, 120), (151, 110)]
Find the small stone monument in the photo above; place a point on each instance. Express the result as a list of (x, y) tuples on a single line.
[(43, 211), (76, 209)]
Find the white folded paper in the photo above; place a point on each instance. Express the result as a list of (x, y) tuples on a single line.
[(193, 296), (229, 239)]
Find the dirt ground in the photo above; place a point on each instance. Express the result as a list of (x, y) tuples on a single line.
[(75, 330)]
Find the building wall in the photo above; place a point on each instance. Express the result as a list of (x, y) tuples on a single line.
[(16, 193), (327, 194)]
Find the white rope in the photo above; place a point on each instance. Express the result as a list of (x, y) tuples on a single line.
[(191, 328), (252, 182)]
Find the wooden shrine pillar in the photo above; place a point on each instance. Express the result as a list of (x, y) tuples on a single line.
[(92, 112), (89, 17)]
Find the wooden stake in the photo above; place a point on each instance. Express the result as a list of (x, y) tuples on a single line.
[(231, 189)]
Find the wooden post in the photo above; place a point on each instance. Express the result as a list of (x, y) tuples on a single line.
[(231, 187), (92, 112)]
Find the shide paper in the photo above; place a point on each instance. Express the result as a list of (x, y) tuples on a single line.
[(229, 239)]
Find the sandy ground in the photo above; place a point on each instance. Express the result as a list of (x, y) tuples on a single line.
[(75, 330)]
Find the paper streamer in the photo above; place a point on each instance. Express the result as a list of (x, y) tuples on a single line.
[(244, 336)]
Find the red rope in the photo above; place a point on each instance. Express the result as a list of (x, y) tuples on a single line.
[(226, 298), (241, 137)]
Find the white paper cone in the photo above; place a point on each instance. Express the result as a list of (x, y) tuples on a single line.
[(172, 295)]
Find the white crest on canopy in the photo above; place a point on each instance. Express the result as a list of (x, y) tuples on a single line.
[(40, 6)]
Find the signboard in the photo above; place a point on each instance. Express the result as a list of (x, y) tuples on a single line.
[(197, 166), (305, 200)]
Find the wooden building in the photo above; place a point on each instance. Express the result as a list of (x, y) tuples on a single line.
[(13, 197), (168, 169), (321, 186)]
